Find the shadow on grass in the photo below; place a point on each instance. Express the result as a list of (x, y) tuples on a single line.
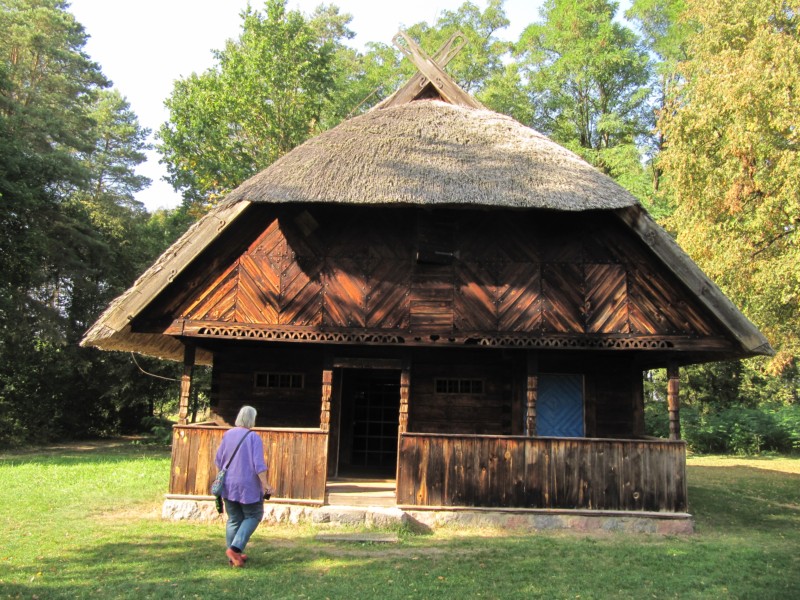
[(739, 499), (191, 564)]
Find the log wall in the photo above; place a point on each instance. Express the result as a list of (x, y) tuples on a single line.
[(494, 471), (488, 412), (296, 461), (233, 385)]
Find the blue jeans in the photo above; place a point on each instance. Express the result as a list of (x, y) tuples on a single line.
[(242, 522)]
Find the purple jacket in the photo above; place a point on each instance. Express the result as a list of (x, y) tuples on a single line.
[(241, 481)]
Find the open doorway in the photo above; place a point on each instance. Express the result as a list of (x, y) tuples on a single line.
[(369, 423)]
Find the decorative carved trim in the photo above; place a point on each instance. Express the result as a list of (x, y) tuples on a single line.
[(230, 331), (393, 338), (577, 343)]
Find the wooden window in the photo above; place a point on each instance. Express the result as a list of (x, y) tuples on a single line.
[(279, 381), (459, 386)]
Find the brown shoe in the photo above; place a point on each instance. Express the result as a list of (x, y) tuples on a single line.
[(234, 558)]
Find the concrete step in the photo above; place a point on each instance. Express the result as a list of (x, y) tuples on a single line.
[(372, 516)]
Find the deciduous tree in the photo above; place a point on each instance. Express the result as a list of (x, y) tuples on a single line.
[(265, 95), (588, 80), (732, 161)]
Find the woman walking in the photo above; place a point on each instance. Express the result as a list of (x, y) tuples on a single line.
[(245, 483)]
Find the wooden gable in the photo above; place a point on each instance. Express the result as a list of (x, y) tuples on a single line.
[(540, 279)]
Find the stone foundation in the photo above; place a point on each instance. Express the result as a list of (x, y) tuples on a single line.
[(665, 524), (201, 509), (191, 509)]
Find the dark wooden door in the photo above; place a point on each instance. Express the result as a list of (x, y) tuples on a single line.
[(369, 428)]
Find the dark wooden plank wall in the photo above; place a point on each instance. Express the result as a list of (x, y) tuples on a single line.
[(486, 413), (493, 471), (233, 385), (296, 460), (507, 272)]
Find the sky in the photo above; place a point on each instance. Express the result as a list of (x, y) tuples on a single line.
[(143, 46)]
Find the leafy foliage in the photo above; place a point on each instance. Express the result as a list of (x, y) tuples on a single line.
[(732, 159), (588, 77), (68, 229), (265, 95), (734, 430), (721, 171)]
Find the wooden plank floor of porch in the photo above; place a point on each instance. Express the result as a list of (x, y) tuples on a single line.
[(360, 492)]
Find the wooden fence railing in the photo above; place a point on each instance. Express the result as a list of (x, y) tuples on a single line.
[(296, 458), (495, 471)]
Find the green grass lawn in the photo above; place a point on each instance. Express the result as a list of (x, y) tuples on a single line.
[(84, 521)]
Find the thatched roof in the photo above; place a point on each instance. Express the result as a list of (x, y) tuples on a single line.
[(112, 330), (421, 153), (434, 153)]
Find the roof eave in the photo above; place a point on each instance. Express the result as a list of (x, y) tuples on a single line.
[(750, 339)]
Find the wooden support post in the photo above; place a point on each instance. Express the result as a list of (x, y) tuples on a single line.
[(189, 351), (532, 394), (405, 382), (673, 401), (327, 387)]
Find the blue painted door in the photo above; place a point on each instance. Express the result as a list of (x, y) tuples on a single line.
[(559, 407)]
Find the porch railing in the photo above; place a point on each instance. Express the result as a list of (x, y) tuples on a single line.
[(297, 461), (523, 472)]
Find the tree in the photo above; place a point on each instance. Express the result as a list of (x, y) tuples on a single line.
[(588, 80), (666, 30), (732, 160), (47, 86), (68, 229), (264, 96)]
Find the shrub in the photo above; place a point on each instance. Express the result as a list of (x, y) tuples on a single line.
[(733, 430), (160, 430)]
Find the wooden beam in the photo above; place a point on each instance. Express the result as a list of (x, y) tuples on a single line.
[(367, 363), (189, 351), (673, 401), (170, 265), (446, 87), (417, 83), (532, 393)]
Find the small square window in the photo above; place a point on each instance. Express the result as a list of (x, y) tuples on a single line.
[(459, 386), (279, 381)]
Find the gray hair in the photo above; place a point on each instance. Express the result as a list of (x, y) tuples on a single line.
[(246, 417)]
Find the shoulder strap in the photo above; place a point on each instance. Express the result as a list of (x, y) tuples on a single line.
[(249, 431)]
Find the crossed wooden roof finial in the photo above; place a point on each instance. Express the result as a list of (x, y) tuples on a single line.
[(431, 70)]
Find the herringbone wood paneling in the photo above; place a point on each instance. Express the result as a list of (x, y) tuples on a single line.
[(510, 273), (519, 297), (301, 298), (606, 299), (388, 301), (217, 302), (344, 304), (562, 291), (258, 292), (658, 307), (474, 301)]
